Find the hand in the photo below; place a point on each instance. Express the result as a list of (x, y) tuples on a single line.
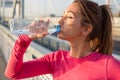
[(36, 36), (38, 29)]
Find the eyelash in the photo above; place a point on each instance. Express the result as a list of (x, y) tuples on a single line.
[(69, 17)]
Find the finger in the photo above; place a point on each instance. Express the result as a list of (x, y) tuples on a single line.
[(43, 34)]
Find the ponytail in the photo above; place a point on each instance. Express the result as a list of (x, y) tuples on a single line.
[(99, 17), (105, 44)]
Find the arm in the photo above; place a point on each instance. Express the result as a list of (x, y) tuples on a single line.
[(16, 69), (113, 69)]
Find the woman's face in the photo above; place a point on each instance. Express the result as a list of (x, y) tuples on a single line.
[(70, 23)]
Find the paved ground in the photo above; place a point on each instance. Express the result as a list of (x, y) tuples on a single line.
[(2, 67)]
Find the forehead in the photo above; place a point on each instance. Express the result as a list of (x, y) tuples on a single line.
[(73, 8)]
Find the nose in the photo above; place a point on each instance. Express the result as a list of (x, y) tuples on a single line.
[(60, 21)]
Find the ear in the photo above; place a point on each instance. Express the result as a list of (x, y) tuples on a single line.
[(87, 29)]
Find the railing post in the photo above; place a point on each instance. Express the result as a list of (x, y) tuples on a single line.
[(2, 11), (22, 9)]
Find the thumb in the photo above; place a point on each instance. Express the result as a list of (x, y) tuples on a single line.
[(47, 22)]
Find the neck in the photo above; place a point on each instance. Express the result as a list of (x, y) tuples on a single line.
[(79, 48)]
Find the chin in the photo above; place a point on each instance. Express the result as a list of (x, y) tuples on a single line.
[(61, 36)]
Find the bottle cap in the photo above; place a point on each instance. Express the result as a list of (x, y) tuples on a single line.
[(58, 28)]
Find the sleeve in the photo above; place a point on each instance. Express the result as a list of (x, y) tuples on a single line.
[(16, 69), (113, 69)]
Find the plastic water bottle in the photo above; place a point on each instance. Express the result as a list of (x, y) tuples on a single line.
[(22, 26)]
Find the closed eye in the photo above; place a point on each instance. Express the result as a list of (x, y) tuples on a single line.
[(69, 17)]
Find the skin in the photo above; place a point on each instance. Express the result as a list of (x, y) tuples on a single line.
[(73, 32)]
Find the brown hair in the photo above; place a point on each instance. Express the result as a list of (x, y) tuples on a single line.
[(100, 19)]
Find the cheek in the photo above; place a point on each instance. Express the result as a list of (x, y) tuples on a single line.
[(76, 29), (70, 28), (70, 32)]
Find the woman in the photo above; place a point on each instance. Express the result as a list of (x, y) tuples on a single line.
[(87, 27)]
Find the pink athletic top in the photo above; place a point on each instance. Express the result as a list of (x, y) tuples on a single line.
[(95, 66)]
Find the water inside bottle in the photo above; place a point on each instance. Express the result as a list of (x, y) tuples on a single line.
[(21, 26)]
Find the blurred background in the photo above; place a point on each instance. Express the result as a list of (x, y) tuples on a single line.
[(43, 9)]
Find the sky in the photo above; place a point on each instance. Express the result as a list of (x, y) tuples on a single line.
[(46, 7), (57, 7), (113, 5)]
